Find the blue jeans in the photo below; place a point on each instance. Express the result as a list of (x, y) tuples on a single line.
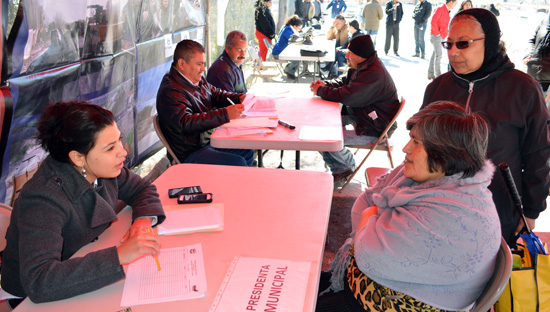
[(434, 69), (340, 60), (420, 44), (373, 34), (291, 67), (343, 160), (221, 156)]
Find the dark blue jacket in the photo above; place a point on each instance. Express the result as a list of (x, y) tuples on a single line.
[(337, 7), (389, 13), (422, 12), (226, 75), (282, 43)]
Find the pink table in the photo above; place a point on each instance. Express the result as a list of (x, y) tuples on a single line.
[(295, 104), (269, 213)]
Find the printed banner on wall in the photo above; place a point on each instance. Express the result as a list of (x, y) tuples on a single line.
[(67, 50), (31, 94)]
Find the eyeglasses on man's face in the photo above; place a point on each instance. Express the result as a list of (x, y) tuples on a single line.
[(459, 44)]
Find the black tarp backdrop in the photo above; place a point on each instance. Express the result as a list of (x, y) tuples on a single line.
[(112, 53)]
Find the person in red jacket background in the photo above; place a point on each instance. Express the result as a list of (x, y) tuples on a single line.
[(438, 33)]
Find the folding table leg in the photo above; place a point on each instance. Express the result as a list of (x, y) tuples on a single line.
[(260, 158), (297, 160)]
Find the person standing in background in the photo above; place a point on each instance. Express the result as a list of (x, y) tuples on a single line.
[(465, 5), (372, 15), (338, 7), (394, 12), (483, 79), (421, 14), (299, 8), (265, 25), (439, 31), (538, 58)]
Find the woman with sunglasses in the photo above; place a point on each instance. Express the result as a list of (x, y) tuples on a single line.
[(483, 79)]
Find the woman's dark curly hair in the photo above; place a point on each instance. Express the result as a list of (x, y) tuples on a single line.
[(68, 126)]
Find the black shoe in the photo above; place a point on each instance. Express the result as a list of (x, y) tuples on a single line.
[(290, 76), (423, 56), (386, 52), (416, 55), (396, 54), (341, 176)]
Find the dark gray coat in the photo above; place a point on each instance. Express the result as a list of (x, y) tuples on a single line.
[(57, 213)]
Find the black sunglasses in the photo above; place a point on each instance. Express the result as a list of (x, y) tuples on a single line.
[(459, 44)]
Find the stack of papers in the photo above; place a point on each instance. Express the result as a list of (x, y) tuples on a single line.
[(259, 106), (190, 220), (259, 114)]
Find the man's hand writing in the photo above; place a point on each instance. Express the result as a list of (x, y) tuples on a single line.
[(235, 111)]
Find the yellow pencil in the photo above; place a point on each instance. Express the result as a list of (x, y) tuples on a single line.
[(156, 258)]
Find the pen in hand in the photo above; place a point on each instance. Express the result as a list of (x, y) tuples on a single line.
[(156, 258)]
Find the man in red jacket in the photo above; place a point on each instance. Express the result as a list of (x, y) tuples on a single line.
[(438, 33)]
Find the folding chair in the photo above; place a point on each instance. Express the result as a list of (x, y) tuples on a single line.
[(259, 70), (272, 61), (175, 159), (382, 144), (372, 173), (499, 280)]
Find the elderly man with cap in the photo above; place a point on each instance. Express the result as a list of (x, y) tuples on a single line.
[(369, 99), (483, 79)]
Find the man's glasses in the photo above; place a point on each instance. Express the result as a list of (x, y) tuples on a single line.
[(459, 44)]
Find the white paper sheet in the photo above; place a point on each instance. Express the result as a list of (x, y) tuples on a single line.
[(321, 133), (190, 219), (247, 122), (259, 284), (234, 132), (182, 277)]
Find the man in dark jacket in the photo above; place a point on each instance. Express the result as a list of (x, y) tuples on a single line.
[(227, 71), (421, 14), (394, 12), (370, 102), (189, 108)]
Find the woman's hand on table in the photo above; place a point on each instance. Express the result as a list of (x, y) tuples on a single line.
[(138, 241), (235, 111)]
